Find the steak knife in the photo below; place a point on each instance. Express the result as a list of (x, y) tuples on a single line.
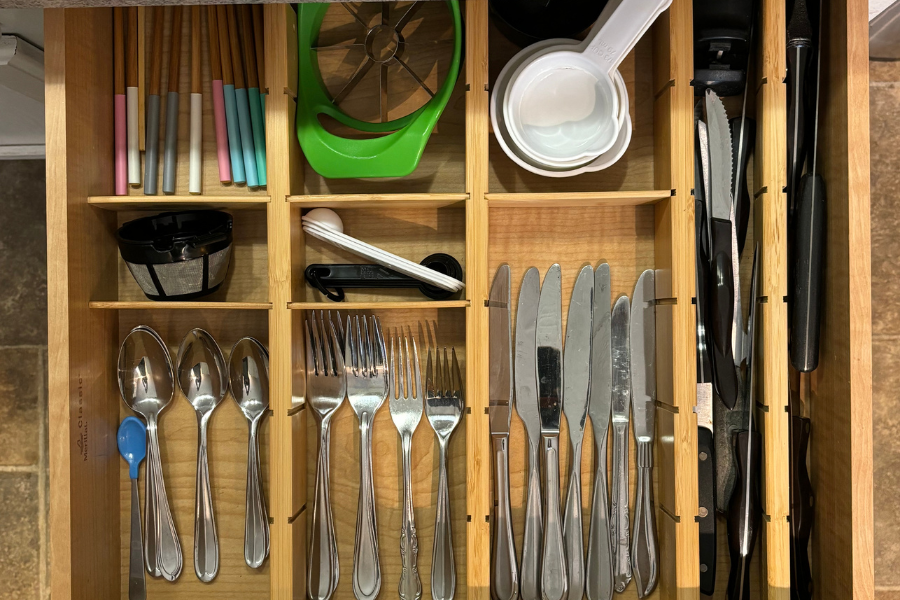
[(645, 548), (504, 577), (621, 405), (549, 368), (527, 407), (599, 567), (576, 389)]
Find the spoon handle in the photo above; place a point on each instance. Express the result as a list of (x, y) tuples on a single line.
[(151, 505), (137, 588), (256, 523), (206, 540), (169, 548)]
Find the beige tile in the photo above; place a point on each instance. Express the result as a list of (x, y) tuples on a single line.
[(886, 423), (19, 543), (22, 378), (885, 222), (889, 594), (880, 72)]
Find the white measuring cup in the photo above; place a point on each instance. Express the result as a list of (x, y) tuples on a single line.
[(562, 105)]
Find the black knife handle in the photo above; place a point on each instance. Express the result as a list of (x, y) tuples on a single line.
[(739, 176), (722, 313), (743, 514), (706, 471), (802, 511), (799, 54), (808, 266), (704, 361)]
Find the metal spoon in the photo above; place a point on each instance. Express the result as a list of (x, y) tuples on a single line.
[(147, 384), (249, 371), (203, 380)]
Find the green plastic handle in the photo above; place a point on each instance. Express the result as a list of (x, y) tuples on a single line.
[(259, 135)]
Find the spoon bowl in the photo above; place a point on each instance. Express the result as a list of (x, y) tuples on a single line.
[(146, 377), (202, 374), (249, 373), (132, 441)]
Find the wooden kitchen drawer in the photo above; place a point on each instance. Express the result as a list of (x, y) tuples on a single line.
[(467, 199)]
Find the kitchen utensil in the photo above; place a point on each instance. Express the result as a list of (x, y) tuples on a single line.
[(726, 315), (326, 387), (527, 407), (256, 114), (147, 384), (170, 152), (525, 22), (119, 102), (504, 575), (443, 408), (215, 69), (337, 277), (744, 512), (132, 442), (366, 374), (548, 336), (248, 368), (131, 97), (397, 152), (406, 412), (800, 54), (645, 548), (576, 396), (722, 43), (196, 150), (619, 531), (178, 256), (231, 110), (599, 567), (151, 152), (203, 379), (258, 26), (802, 503), (243, 103), (743, 131)]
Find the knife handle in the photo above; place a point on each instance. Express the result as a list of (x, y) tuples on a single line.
[(599, 566), (573, 532), (532, 545), (619, 530), (504, 577), (740, 163), (645, 550), (799, 55), (802, 511), (722, 312), (743, 514), (553, 574), (808, 266), (706, 471), (704, 361)]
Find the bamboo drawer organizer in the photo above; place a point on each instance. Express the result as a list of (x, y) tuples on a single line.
[(468, 199)]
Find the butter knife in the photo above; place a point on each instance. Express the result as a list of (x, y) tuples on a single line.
[(621, 407)]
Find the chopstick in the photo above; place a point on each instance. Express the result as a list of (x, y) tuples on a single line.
[(151, 157), (258, 22), (215, 69), (256, 114), (120, 147), (171, 148), (231, 118), (131, 98), (196, 148), (243, 106)]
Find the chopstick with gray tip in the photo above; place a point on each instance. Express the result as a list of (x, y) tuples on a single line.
[(170, 159), (151, 154)]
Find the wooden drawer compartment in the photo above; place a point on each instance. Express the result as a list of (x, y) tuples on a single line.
[(469, 200)]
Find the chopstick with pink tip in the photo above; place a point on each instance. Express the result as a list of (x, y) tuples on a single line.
[(215, 69), (196, 147), (120, 147), (131, 98)]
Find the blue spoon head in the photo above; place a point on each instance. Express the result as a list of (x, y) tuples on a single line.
[(132, 444)]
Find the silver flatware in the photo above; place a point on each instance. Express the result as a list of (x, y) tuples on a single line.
[(406, 412), (645, 548), (504, 575), (443, 408), (619, 532), (527, 408), (326, 387), (576, 388), (147, 385), (548, 335), (203, 379), (367, 388), (599, 566)]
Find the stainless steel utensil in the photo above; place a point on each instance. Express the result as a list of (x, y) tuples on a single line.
[(576, 388), (147, 384), (621, 406), (203, 379), (599, 566), (406, 412), (645, 549), (504, 575), (443, 407), (549, 367), (326, 387), (248, 366), (527, 407), (367, 387)]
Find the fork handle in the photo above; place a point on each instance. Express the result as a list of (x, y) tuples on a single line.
[(410, 584), (443, 571), (322, 575), (366, 564)]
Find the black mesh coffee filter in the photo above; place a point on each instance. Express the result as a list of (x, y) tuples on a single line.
[(178, 256)]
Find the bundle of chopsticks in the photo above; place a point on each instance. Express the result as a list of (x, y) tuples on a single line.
[(237, 69)]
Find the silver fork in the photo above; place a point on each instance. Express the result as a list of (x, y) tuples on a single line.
[(406, 411), (367, 387), (443, 407), (326, 388)]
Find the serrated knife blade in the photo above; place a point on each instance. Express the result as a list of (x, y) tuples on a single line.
[(720, 157)]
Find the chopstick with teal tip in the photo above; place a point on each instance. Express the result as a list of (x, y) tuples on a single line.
[(231, 118), (243, 104), (256, 114)]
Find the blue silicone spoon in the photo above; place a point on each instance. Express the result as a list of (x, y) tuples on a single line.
[(132, 439)]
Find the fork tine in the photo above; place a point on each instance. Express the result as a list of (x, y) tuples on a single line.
[(370, 349), (456, 376), (326, 346), (378, 349), (432, 383), (408, 374), (417, 392), (317, 345), (341, 338), (310, 356), (393, 372), (336, 344), (350, 358), (445, 375)]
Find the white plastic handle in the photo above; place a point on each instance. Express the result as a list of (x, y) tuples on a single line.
[(628, 22)]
